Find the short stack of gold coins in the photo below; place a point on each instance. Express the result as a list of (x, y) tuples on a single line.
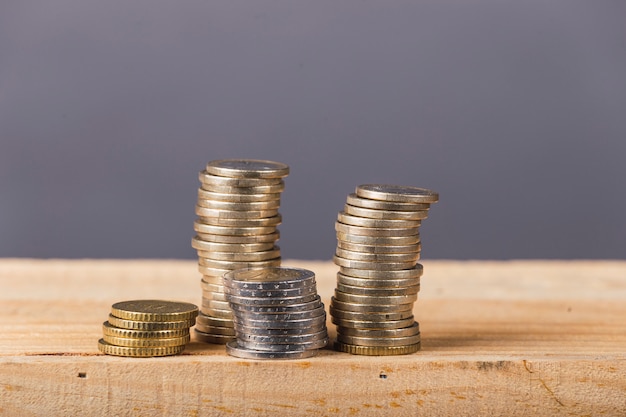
[(146, 328), (378, 248), (237, 209), (277, 313)]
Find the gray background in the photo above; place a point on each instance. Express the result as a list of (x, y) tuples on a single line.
[(515, 111)]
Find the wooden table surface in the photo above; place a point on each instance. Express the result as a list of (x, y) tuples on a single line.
[(499, 338)]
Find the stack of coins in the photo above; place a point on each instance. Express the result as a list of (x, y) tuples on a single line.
[(144, 328), (277, 313), (378, 246), (237, 210)]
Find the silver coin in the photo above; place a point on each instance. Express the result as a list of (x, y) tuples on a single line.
[(376, 231), (262, 331), (378, 283), (261, 222), (215, 330), (213, 338), (270, 278), (358, 247), (209, 214), (241, 256), (363, 324), (344, 218), (232, 231), (381, 300), (214, 321), (377, 292), (233, 265), (298, 315), (414, 272), (385, 214), (247, 168), (412, 330), (275, 347), (202, 245), (373, 265), (369, 308), (378, 341), (276, 188), (236, 198), (295, 339), (206, 178), (292, 292), (217, 312), (292, 308), (233, 349), (270, 237), (376, 257), (397, 193), (357, 201), (379, 240), (369, 317), (266, 301), (274, 324)]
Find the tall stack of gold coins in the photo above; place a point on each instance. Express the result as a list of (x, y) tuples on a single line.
[(277, 313), (237, 209), (378, 248), (145, 328)]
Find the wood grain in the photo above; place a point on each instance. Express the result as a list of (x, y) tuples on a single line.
[(501, 338)]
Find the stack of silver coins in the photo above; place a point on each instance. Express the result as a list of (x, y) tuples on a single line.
[(237, 210), (378, 248), (277, 313)]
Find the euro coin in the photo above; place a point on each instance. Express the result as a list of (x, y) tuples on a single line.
[(247, 168), (397, 193)]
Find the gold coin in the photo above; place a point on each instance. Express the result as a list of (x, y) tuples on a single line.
[(235, 206), (385, 214), (397, 193), (378, 283), (210, 263), (209, 286), (202, 245), (214, 321), (414, 272), (357, 201), (110, 330), (359, 247), (371, 324), (377, 292), (344, 218), (379, 341), (209, 237), (232, 231), (376, 231), (133, 342), (236, 198), (214, 296), (412, 330), (212, 275), (260, 222), (211, 214), (154, 310), (220, 330), (379, 240), (377, 257), (206, 178), (219, 313), (372, 265), (247, 168), (380, 300), (138, 352), (219, 339), (241, 256), (377, 350), (369, 308), (368, 317), (150, 325), (276, 188)]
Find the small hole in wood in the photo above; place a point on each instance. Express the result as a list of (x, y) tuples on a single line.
[(382, 375), (82, 374)]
